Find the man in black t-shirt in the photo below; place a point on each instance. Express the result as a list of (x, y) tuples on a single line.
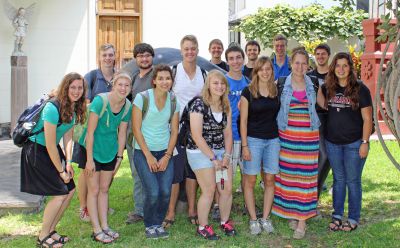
[(216, 48), (252, 50), (321, 53)]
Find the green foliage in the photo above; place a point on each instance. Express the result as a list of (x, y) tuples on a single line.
[(309, 23), (390, 29)]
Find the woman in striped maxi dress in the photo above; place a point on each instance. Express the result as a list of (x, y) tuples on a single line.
[(296, 184)]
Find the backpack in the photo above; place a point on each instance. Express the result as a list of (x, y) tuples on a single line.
[(28, 120), (184, 123), (80, 129), (145, 108), (238, 120)]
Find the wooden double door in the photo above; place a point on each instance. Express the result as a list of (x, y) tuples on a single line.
[(119, 22)]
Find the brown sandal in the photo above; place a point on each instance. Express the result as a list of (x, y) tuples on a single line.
[(349, 227), (335, 224), (194, 220), (102, 238)]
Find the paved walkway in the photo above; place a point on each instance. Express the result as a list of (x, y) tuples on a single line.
[(11, 199)]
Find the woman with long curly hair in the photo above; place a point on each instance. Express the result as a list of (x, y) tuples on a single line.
[(259, 106), (45, 168), (209, 151), (349, 126)]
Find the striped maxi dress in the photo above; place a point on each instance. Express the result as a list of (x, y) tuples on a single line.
[(296, 184)]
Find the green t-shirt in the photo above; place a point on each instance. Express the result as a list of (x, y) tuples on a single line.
[(155, 126), (50, 114), (105, 146)]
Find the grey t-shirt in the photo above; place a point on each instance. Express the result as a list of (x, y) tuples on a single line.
[(141, 83)]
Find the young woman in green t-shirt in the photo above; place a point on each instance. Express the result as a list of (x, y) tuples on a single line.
[(45, 168), (105, 143)]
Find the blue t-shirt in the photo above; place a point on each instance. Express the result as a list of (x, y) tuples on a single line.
[(101, 85), (281, 71), (236, 87), (155, 126), (50, 114)]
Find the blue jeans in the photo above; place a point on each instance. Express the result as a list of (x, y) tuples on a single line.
[(156, 188), (347, 167), (137, 186), (265, 154)]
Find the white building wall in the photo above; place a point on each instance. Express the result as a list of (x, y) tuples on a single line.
[(62, 38), (56, 43), (164, 25)]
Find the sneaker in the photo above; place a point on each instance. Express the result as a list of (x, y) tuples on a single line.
[(215, 214), (255, 227), (161, 232), (266, 225), (228, 228), (208, 233), (84, 214), (133, 218), (110, 211), (239, 189), (151, 233)]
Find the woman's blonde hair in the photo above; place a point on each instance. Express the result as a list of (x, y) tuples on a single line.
[(206, 94), (254, 86), (119, 75)]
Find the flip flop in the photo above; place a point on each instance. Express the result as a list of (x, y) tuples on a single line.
[(194, 220), (167, 223)]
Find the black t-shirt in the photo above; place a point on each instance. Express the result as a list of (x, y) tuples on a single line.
[(261, 121), (321, 80), (213, 131), (223, 66), (345, 125), (247, 72)]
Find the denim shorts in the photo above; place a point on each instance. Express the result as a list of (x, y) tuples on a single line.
[(263, 152), (197, 160)]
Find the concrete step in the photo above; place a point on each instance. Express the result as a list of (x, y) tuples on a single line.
[(11, 199)]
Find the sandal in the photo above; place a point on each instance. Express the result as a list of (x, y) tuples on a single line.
[(44, 243), (113, 234), (167, 223), (102, 238), (194, 220), (335, 224), (349, 227), (62, 238), (299, 234)]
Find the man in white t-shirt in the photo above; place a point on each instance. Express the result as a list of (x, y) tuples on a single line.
[(189, 81)]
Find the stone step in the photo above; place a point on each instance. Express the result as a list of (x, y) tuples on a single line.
[(11, 199)]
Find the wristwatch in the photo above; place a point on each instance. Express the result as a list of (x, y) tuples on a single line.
[(364, 141)]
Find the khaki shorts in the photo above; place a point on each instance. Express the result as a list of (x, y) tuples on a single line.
[(236, 157)]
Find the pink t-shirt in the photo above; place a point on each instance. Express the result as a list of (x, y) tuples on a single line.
[(299, 95)]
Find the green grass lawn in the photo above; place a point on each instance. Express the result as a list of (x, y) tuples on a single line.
[(379, 227)]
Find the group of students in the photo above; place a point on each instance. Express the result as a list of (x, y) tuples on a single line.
[(266, 123)]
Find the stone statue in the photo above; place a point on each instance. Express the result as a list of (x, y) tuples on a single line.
[(19, 18)]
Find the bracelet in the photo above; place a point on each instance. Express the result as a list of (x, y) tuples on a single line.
[(227, 155), (213, 158), (244, 145), (168, 155), (120, 157), (69, 161), (61, 172)]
